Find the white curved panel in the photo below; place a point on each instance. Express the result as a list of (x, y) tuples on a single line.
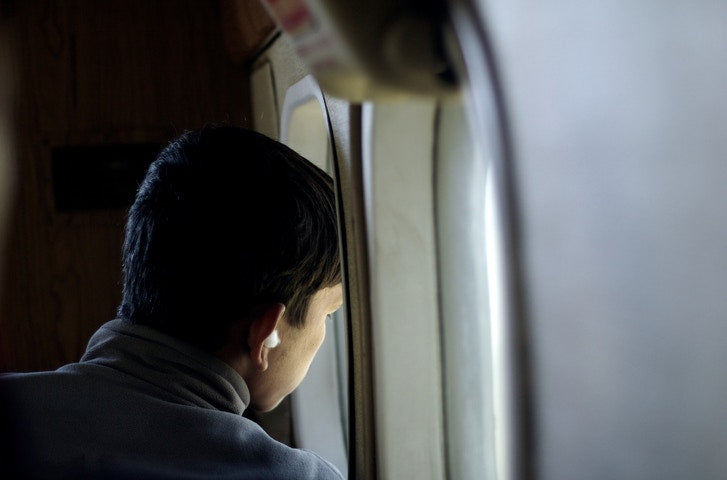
[(619, 110), (465, 246), (304, 122)]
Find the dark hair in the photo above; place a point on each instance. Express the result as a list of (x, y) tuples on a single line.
[(227, 219)]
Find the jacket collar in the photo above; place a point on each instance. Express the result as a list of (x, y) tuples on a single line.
[(179, 371)]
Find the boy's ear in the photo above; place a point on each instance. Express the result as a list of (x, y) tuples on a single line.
[(263, 321)]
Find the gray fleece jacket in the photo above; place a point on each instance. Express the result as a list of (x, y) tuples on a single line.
[(141, 404)]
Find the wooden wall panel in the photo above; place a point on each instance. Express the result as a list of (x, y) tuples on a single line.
[(96, 72)]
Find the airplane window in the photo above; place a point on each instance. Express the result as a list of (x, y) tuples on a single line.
[(340, 334), (319, 405)]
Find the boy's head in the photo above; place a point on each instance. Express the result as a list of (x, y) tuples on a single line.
[(226, 222)]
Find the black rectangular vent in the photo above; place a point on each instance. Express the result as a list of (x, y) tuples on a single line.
[(99, 177)]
